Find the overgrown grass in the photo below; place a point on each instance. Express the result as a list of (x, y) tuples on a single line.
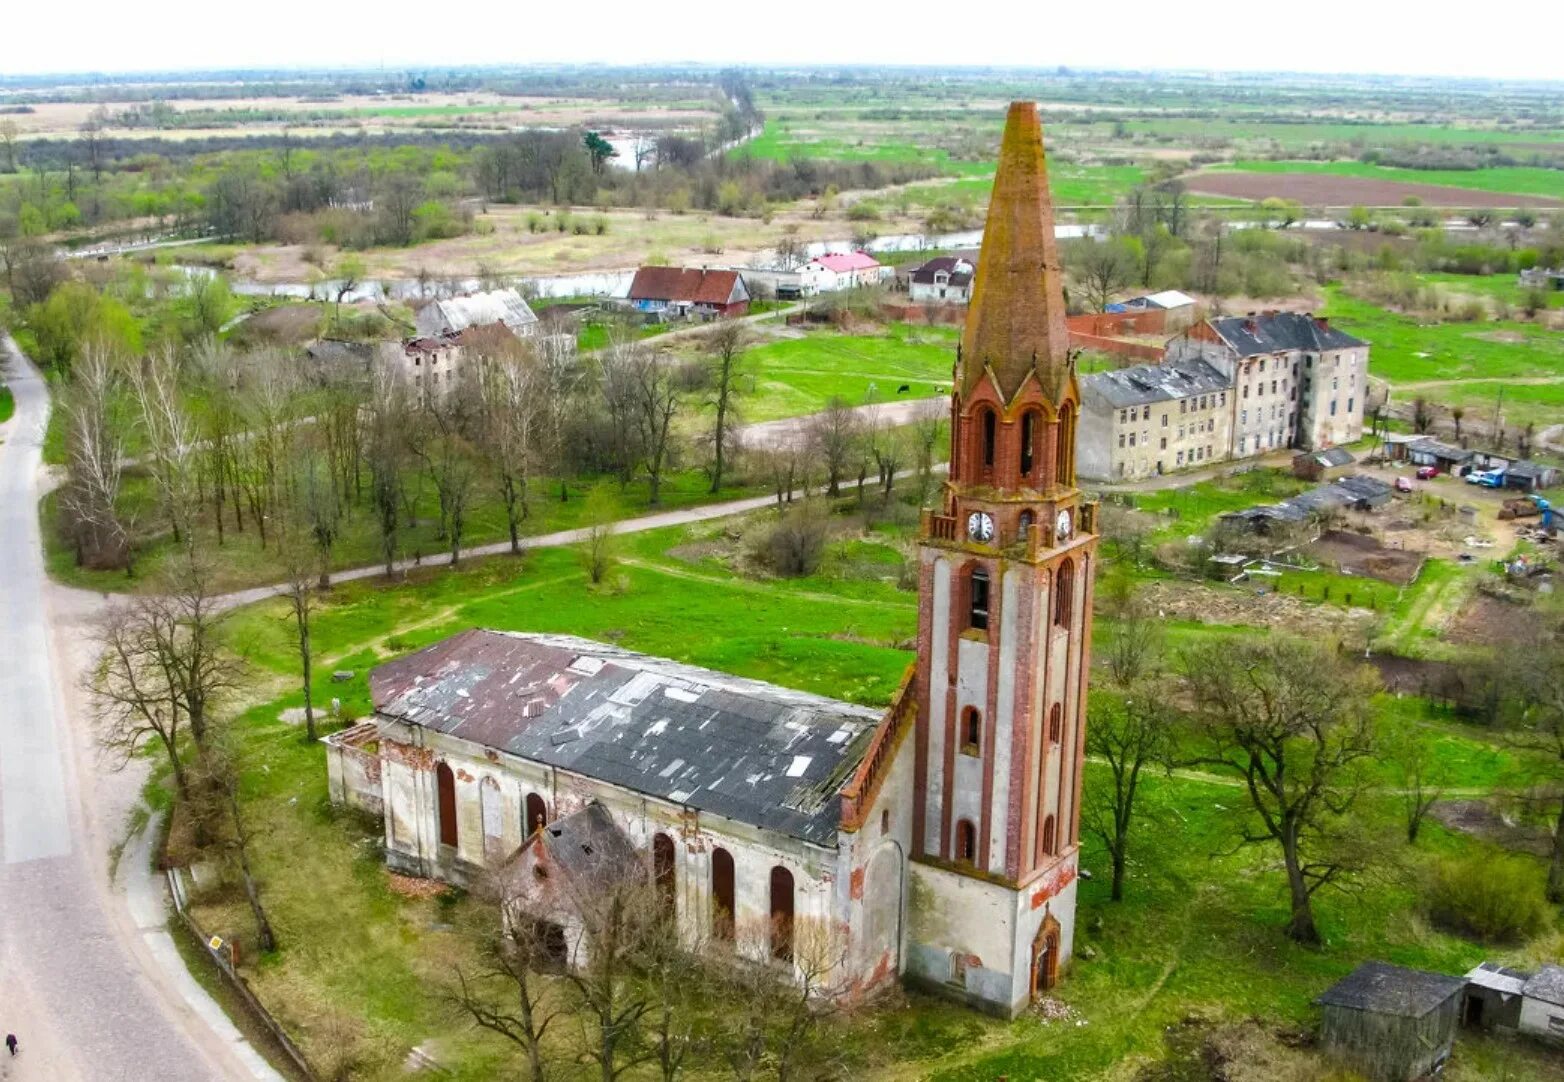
[(1512, 180)]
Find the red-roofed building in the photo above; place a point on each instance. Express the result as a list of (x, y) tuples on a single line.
[(842, 270), (685, 291)]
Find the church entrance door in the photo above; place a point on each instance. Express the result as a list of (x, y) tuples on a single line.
[(1045, 957)]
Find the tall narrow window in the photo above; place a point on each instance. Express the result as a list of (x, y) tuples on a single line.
[(1028, 439), (781, 914), (493, 815), (1055, 724), (537, 813), (722, 895), (1024, 524), (1064, 459), (663, 871), (977, 599), (971, 731), (445, 783), (1064, 594), (990, 437), (966, 842), (1050, 843)]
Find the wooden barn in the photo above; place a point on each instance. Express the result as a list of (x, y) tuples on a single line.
[(1391, 1024)]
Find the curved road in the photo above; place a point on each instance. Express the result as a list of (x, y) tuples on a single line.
[(80, 979)]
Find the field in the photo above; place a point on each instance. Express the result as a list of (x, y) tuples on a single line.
[(1197, 947), (1343, 184)]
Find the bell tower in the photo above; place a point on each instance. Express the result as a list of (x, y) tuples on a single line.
[(1004, 618)]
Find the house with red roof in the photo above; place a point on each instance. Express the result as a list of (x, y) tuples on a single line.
[(842, 270), (679, 292)]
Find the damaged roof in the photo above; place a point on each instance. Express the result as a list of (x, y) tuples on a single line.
[(1144, 383), (746, 750), (1274, 332), (1547, 985), (1386, 989), (1356, 490), (1330, 457), (504, 306)]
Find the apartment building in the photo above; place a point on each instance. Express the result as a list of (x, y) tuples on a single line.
[(1152, 419)]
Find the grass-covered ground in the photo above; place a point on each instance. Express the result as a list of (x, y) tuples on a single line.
[(788, 377), (7, 404), (1200, 935), (1511, 180)]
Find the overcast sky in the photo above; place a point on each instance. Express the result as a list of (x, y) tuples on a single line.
[(1504, 39)]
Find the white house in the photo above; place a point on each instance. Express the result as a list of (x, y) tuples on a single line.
[(456, 314), (942, 280), (841, 270)]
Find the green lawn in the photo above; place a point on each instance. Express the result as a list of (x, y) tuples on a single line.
[(1200, 934), (1236, 126), (793, 376), (7, 404), (1511, 180)]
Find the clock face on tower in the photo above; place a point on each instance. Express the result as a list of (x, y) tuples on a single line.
[(980, 527), (1062, 526)]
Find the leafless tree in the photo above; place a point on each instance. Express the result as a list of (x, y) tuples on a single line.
[(834, 434), (1293, 721), (887, 444), (1422, 415), (9, 131), (163, 670), (95, 452), (513, 397), (218, 783), (928, 425), (1420, 777), (1102, 268), (786, 463), (170, 435), (1536, 725), (640, 389), (385, 449), (725, 345), (773, 1020), (515, 957), (602, 511), (439, 440)]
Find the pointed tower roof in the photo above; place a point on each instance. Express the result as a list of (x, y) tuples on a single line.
[(1016, 319)]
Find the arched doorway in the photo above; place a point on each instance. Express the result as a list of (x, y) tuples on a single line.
[(1045, 956), (445, 783), (537, 813), (663, 871), (781, 914), (722, 895)]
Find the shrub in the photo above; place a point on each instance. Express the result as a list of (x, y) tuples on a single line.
[(1495, 899), (795, 545)]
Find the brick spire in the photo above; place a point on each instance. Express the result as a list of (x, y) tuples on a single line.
[(1016, 319)]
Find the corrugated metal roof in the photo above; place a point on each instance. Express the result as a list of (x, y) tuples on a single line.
[(1547, 985), (1499, 978), (749, 751), (456, 314), (1382, 988), (1168, 298), (1144, 383)]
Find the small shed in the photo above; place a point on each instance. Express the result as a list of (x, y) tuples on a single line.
[(1442, 456), (1326, 465), (1530, 476), (1493, 998), (1390, 1023), (1542, 1004)]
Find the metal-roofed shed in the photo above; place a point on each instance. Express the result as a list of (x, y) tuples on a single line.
[(1493, 997)]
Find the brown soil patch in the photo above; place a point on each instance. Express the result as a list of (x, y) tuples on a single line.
[(1228, 605), (287, 325), (409, 887), (1321, 189), (1481, 819), (1413, 676), (1482, 621), (1359, 554)]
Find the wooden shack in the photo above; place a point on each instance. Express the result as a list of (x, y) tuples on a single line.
[(1493, 998), (1391, 1024)]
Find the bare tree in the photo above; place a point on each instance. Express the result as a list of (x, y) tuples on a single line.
[(1537, 727), (218, 782), (598, 553), (775, 1019), (1420, 777), (834, 434), (928, 425), (514, 958), (725, 345), (1293, 722), (642, 390), (1422, 415), (95, 450), (1103, 268), (887, 445), (170, 435), (513, 397), (385, 448), (439, 440)]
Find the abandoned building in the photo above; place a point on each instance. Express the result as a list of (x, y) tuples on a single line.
[(936, 840), (1391, 1024), (1152, 419), (505, 307)]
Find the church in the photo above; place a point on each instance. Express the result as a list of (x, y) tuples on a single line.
[(936, 842)]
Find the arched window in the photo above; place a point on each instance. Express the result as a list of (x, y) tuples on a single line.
[(493, 816), (977, 599), (990, 429), (971, 731), (1064, 457), (663, 871), (1050, 843), (537, 813), (1029, 424), (966, 842), (1064, 594), (722, 895), (1055, 724), (781, 914), (445, 783)]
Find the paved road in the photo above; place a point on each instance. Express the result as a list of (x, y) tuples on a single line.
[(74, 970)]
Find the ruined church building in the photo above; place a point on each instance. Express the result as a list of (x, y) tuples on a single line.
[(938, 841)]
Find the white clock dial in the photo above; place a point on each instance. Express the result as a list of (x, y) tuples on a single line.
[(980, 526), (1062, 526)]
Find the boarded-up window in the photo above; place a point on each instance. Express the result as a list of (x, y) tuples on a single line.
[(445, 783), (493, 818), (1064, 594), (663, 870), (966, 842), (781, 914), (1050, 843), (722, 908)]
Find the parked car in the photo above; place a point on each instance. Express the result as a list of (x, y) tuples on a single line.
[(1403, 484), (1486, 478), (1426, 473)]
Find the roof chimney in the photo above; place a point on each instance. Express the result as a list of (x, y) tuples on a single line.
[(1323, 322)]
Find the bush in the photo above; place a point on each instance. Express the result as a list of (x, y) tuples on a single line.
[(795, 545), (1495, 899)]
